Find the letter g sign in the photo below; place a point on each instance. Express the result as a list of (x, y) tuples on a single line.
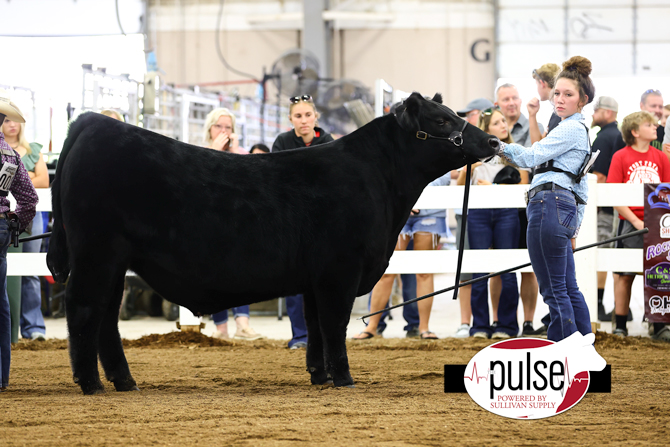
[(477, 55)]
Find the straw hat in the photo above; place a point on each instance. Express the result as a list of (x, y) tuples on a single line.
[(8, 108)]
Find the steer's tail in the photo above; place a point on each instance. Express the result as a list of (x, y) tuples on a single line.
[(58, 259)]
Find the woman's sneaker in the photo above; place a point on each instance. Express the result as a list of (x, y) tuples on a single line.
[(247, 334), (463, 331), (528, 329)]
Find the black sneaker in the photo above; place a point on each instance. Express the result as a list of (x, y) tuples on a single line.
[(539, 332), (494, 325), (620, 332), (413, 333), (528, 329)]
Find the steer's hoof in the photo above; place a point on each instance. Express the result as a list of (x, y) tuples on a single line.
[(93, 390), (126, 385), (320, 377)]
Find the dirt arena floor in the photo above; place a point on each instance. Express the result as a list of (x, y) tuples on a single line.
[(198, 390)]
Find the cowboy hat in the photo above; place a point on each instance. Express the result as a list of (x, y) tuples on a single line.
[(9, 109)]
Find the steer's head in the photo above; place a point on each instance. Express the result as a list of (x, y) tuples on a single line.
[(440, 129)]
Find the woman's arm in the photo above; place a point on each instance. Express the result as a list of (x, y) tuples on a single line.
[(41, 176), (557, 142)]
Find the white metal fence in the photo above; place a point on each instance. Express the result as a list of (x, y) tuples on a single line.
[(587, 262)]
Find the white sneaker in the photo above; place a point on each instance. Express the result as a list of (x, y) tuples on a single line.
[(220, 335), (37, 336), (463, 331), (499, 335), (247, 334)]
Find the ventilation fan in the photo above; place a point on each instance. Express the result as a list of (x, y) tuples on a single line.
[(345, 105), (296, 72)]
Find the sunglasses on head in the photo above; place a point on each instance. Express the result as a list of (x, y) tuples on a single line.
[(489, 111), (651, 90), (297, 99)]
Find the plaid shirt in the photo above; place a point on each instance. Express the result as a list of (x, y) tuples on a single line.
[(22, 187)]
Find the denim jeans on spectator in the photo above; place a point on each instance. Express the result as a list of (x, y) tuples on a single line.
[(5, 319), (494, 228), (410, 312), (296, 313), (32, 319), (222, 317), (552, 220)]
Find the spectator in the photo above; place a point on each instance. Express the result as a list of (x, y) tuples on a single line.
[(664, 118), (112, 114), (507, 98), (26, 198), (259, 148), (473, 109), (635, 163), (652, 102), (25, 293), (424, 228), (605, 111), (471, 113), (498, 229), (219, 134), (554, 216), (544, 80), (305, 133)]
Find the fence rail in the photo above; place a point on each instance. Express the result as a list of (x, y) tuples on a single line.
[(587, 262)]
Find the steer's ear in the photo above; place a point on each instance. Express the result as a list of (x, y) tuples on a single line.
[(409, 118), (437, 98)]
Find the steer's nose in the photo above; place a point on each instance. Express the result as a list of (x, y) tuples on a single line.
[(494, 143)]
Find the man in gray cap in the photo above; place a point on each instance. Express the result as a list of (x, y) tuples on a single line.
[(473, 109), (608, 141)]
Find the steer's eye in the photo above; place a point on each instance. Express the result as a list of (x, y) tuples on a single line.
[(441, 122)]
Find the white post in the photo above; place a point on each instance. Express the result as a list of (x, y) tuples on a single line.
[(587, 260), (189, 322)]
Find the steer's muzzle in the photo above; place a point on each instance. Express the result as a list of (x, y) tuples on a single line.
[(494, 144)]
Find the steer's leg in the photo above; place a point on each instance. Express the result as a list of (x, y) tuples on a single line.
[(112, 358), (315, 360), (85, 302), (334, 308)]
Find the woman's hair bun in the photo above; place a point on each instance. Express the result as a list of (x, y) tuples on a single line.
[(578, 63)]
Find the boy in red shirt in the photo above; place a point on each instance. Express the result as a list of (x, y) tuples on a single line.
[(638, 162)]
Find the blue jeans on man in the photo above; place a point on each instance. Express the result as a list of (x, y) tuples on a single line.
[(5, 318), (552, 221), (494, 228)]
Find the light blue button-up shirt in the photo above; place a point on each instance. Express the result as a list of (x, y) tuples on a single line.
[(568, 146)]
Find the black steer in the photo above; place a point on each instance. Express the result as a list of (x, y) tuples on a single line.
[(212, 230)]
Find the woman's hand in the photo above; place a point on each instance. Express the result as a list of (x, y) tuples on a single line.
[(220, 142), (533, 107), (415, 212), (234, 143), (483, 182)]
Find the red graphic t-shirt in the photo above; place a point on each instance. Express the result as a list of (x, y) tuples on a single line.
[(631, 166)]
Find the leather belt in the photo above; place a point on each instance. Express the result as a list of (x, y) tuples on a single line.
[(550, 186)]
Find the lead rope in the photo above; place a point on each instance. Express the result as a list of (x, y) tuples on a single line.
[(464, 222)]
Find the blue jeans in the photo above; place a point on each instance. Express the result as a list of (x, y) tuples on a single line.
[(32, 319), (552, 221), (5, 318), (410, 312), (222, 317), (296, 314), (494, 228)]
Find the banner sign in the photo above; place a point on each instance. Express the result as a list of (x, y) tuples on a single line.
[(657, 252)]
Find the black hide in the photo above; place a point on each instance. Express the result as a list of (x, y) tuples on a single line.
[(212, 230)]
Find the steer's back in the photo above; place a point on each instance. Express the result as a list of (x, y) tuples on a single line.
[(261, 222)]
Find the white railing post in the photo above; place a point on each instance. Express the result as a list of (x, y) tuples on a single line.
[(587, 260)]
